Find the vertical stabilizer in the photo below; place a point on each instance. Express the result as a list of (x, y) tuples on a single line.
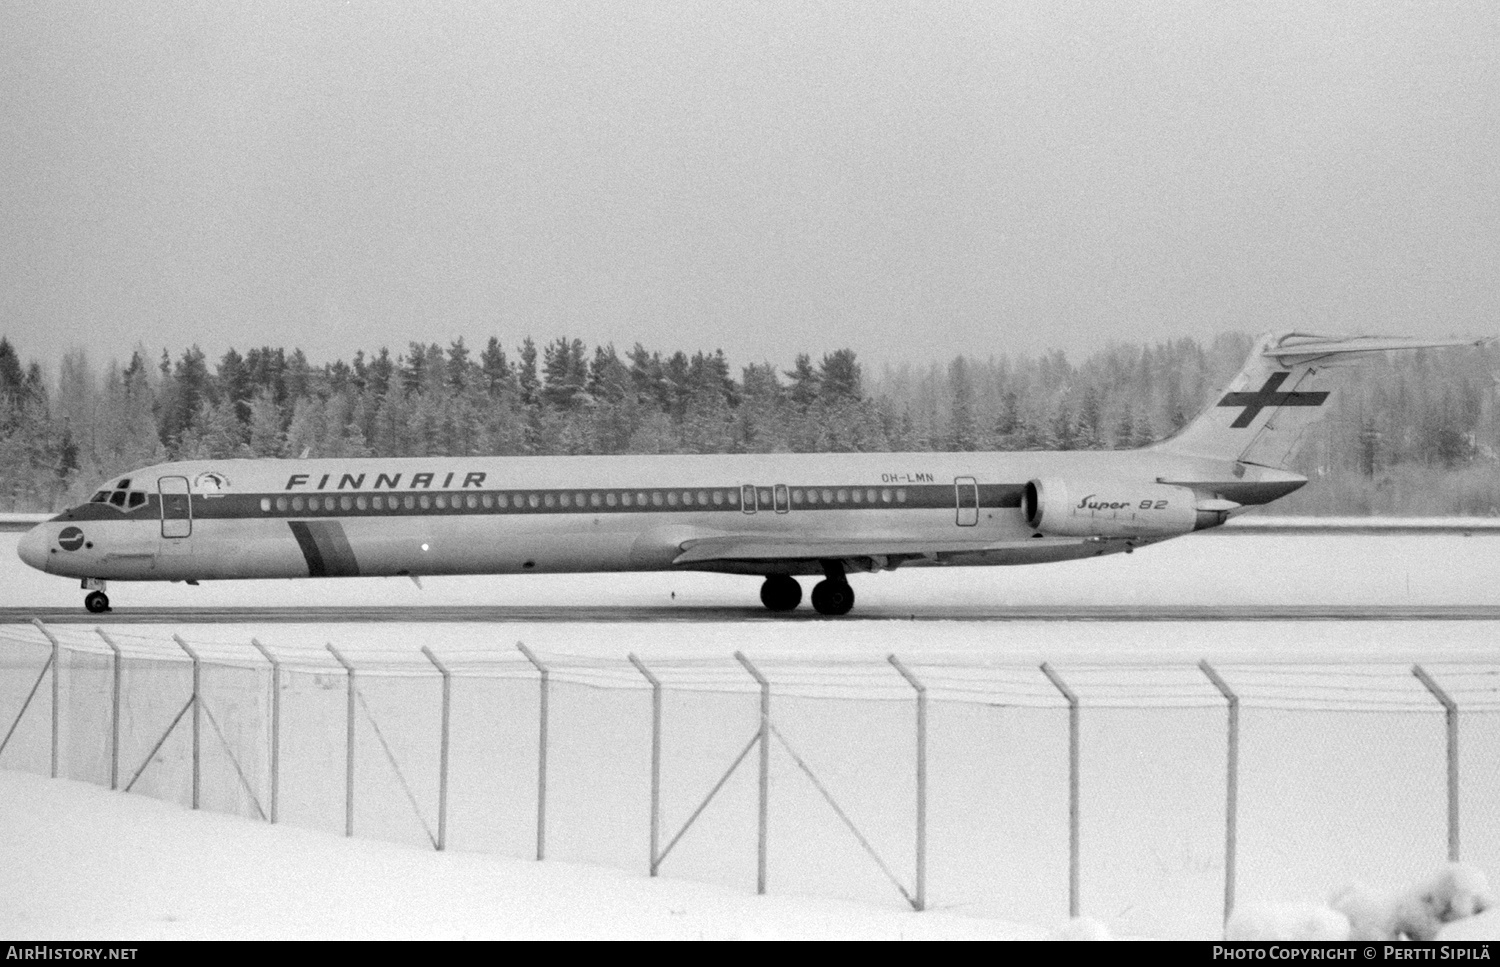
[(1281, 391)]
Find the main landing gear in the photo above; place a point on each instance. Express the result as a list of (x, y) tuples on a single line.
[(831, 596), (781, 592)]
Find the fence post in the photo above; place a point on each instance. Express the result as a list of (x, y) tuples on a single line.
[(197, 716), (1232, 794), (1450, 716), (921, 903), (114, 713), (348, 746), (1072, 699), (765, 767), (56, 660), (541, 765), (275, 725), (655, 758), (442, 836)]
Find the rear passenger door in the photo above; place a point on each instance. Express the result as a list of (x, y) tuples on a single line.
[(966, 500)]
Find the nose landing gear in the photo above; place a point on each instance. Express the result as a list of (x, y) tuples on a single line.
[(96, 601)]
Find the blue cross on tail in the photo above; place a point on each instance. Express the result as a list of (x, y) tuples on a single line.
[(1267, 396)]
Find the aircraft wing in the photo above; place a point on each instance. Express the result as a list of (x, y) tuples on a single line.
[(768, 547)]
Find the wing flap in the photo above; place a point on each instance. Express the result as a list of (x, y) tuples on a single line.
[(770, 548)]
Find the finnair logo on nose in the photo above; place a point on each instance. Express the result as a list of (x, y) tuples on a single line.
[(70, 539)]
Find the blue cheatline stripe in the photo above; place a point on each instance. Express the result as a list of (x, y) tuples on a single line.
[(310, 552), (518, 502), (338, 556), (325, 548)]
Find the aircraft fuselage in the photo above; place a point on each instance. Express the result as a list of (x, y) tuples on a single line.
[(235, 519)]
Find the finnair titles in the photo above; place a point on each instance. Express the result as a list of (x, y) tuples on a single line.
[(774, 516)]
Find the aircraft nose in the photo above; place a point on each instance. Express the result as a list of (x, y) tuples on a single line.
[(32, 547)]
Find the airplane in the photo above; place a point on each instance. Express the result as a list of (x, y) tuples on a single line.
[(775, 516)]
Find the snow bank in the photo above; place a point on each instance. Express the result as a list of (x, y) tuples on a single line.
[(1455, 892), (85, 863)]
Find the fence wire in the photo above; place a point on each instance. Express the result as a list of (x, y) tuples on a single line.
[(1101, 788)]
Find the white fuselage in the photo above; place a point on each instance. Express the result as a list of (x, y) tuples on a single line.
[(772, 514)]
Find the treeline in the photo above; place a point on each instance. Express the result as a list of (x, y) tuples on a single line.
[(1413, 434)]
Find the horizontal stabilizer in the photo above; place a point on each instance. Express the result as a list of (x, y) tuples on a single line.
[(1305, 347)]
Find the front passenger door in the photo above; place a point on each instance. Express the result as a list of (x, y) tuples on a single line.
[(176, 507)]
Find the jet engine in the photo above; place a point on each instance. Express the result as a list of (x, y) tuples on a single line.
[(1073, 508)]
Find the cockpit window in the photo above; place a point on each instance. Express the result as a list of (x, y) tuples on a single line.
[(126, 500), (123, 484)]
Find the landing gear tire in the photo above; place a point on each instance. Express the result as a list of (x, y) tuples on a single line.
[(97, 602), (780, 592), (832, 597)]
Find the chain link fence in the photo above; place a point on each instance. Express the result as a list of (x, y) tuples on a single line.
[(1150, 796)]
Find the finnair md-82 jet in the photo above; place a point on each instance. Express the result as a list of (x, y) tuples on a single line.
[(777, 516)]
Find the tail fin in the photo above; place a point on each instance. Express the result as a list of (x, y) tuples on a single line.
[(1278, 394)]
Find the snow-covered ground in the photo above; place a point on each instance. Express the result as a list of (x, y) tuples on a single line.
[(1327, 796), (81, 862)]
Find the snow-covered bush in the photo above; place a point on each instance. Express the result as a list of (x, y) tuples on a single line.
[(1286, 921)]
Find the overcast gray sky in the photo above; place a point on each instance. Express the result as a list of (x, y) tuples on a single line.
[(911, 180)]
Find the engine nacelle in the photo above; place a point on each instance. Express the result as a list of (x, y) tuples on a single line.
[(1074, 508)]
